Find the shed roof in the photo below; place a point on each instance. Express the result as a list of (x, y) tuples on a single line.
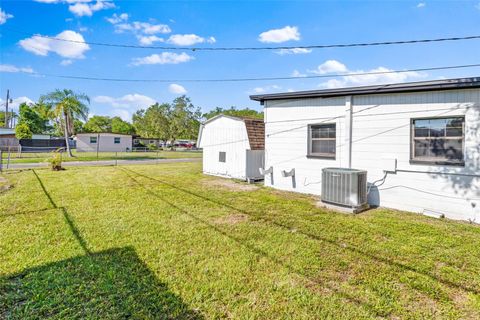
[(434, 85), (255, 130)]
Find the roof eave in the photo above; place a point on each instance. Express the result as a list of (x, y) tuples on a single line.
[(450, 84)]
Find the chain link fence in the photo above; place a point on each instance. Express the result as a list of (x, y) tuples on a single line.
[(34, 157)]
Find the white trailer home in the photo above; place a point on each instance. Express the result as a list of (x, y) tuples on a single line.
[(232, 147), (419, 142), (103, 142)]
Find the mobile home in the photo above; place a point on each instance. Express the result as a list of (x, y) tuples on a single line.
[(419, 142), (103, 142), (232, 147)]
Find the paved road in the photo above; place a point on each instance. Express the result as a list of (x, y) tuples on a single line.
[(99, 163)]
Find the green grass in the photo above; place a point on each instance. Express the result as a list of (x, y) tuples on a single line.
[(92, 156), (164, 241)]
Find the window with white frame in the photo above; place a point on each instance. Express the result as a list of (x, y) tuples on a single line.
[(116, 140), (322, 140), (93, 140), (438, 140)]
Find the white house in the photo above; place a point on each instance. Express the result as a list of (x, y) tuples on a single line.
[(232, 147), (419, 142), (103, 142)]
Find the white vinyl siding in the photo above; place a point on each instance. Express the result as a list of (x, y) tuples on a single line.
[(381, 133)]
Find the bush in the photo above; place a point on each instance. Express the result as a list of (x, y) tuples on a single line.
[(22, 131), (151, 146), (56, 161)]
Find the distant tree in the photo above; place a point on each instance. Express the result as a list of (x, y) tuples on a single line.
[(184, 119), (11, 115), (67, 106), (32, 119), (22, 131), (45, 112), (78, 126), (233, 111), (98, 124), (168, 122), (121, 126), (153, 122)]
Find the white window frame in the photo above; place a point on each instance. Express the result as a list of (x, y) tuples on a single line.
[(310, 154)]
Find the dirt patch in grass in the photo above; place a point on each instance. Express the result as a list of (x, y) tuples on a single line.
[(232, 219), (4, 185), (228, 184)]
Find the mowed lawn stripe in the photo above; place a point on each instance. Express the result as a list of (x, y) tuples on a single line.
[(226, 252)]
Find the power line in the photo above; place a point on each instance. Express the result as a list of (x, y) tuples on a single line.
[(325, 46), (253, 79)]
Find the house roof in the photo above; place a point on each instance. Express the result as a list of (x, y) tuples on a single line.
[(255, 130), (434, 85)]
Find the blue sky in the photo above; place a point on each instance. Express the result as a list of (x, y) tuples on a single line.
[(223, 24)]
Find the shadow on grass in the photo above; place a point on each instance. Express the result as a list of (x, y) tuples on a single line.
[(112, 284), (68, 219), (259, 252), (375, 258)]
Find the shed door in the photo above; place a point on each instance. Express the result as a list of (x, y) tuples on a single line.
[(222, 162)]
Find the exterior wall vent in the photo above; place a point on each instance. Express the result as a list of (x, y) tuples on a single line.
[(345, 187)]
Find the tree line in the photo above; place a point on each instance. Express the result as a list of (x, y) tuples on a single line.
[(64, 113)]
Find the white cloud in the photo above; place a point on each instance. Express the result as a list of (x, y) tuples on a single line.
[(82, 8), (125, 106), (142, 28), (16, 102), (421, 5), (4, 16), (42, 46), (188, 39), (293, 51), (144, 31), (176, 89), (280, 35), (133, 100), (259, 90), (371, 79), (48, 1), (122, 113), (66, 62), (330, 66), (298, 74), (163, 58), (117, 18), (148, 40), (12, 69)]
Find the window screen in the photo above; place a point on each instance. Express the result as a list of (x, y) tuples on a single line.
[(116, 140), (222, 156), (438, 140), (322, 140), (93, 139)]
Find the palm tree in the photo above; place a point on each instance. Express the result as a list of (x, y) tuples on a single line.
[(67, 106)]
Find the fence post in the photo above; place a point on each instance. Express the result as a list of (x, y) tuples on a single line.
[(8, 159), (116, 157), (1, 161), (157, 157)]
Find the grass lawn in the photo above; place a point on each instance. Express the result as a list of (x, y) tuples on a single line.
[(164, 241), (35, 157)]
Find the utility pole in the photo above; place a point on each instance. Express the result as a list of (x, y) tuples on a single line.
[(6, 108)]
